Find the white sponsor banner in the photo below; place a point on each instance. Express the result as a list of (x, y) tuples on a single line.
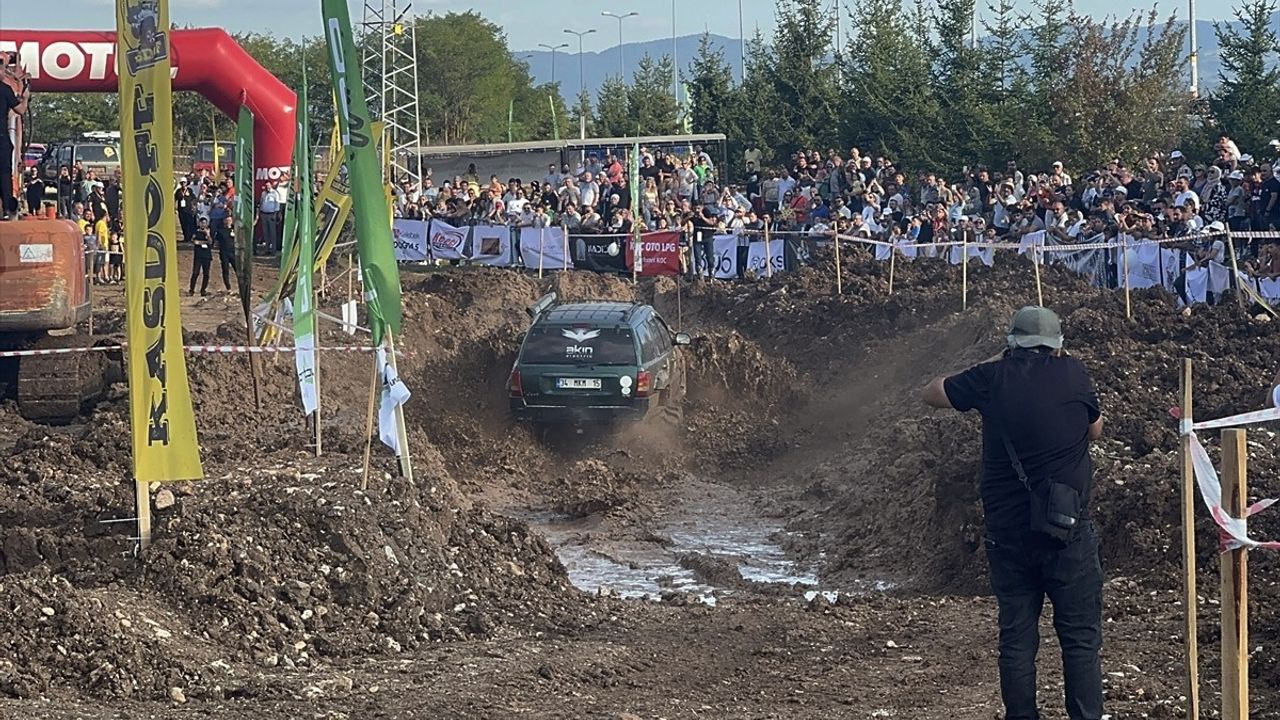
[(410, 238), (1144, 267), (1219, 278), (907, 249), (1269, 288), (491, 245), (756, 258), (1197, 285), (350, 313), (393, 394), (446, 241), (543, 248), (305, 363), (726, 247), (883, 252), (986, 255)]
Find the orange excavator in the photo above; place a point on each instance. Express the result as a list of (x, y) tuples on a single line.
[(44, 296)]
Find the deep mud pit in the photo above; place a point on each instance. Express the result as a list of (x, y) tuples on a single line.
[(834, 521), (709, 542)]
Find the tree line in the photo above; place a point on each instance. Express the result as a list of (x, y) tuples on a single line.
[(917, 82)]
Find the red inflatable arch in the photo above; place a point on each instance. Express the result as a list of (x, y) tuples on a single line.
[(206, 60)]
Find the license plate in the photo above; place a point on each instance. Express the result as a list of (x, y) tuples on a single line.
[(578, 383)]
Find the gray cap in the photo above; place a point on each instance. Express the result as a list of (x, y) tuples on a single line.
[(1035, 327)]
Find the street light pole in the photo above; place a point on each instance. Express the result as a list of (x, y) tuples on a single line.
[(553, 49), (622, 59), (582, 85)]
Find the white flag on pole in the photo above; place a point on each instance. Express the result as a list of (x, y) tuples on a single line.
[(394, 393)]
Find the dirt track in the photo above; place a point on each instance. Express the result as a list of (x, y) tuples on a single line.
[(277, 589)]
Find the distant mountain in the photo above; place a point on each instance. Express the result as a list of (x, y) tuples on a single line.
[(598, 65)]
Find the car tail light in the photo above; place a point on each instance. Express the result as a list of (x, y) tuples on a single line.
[(644, 383), (515, 385)]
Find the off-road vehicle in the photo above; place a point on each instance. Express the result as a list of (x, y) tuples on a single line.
[(597, 361)]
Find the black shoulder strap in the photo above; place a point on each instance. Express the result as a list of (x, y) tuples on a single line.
[(1013, 458)]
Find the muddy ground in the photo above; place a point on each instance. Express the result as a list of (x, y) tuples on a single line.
[(806, 544)]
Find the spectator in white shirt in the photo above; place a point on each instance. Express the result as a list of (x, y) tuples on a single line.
[(270, 210), (588, 190)]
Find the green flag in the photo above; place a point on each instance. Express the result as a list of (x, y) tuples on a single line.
[(244, 209), (368, 199), (290, 217), (304, 318)]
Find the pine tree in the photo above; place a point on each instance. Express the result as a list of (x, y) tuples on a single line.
[(804, 80), (613, 116), (1247, 101), (753, 108), (581, 119), (652, 108), (889, 107), (710, 88), (1005, 85), (967, 119)]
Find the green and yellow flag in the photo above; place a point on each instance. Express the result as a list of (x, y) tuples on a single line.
[(304, 297), (368, 199), (161, 419)]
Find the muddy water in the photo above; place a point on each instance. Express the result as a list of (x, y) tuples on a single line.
[(712, 521)]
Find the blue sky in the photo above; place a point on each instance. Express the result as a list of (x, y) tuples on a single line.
[(527, 22)]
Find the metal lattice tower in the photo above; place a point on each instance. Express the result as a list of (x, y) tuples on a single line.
[(390, 62)]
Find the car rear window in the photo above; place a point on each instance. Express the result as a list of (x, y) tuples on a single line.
[(96, 153), (556, 345)]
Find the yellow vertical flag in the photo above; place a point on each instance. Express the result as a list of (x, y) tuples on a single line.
[(162, 422)]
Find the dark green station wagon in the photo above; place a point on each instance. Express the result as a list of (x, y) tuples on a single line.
[(597, 361)]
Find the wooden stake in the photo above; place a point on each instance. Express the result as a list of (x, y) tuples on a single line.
[(964, 270), (1235, 269), (540, 253), (839, 279), (893, 260), (564, 232), (406, 463), (679, 307), (1235, 582), (368, 423), (1128, 300), (1037, 257), (351, 276), (142, 495), (768, 257), (1190, 602)]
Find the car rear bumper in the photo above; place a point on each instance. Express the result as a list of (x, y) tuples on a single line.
[(523, 410)]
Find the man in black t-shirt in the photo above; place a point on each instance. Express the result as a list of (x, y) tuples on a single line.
[(1043, 403)]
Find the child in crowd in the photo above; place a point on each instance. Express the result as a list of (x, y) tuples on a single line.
[(116, 273)]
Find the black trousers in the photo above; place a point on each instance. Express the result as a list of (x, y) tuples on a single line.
[(200, 266), (8, 201), (228, 261), (188, 222), (1023, 572)]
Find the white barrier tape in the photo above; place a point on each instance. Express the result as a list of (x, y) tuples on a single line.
[(1234, 531), (188, 348), (1249, 418)]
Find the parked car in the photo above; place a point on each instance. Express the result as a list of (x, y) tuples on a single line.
[(597, 361), (98, 151), (31, 157)]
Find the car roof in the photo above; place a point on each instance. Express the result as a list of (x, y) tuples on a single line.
[(595, 313)]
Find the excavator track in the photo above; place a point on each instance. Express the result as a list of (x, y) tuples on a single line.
[(55, 388)]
